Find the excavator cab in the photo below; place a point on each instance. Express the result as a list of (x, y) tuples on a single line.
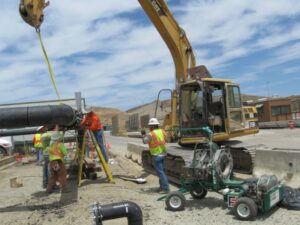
[(202, 104), (213, 103)]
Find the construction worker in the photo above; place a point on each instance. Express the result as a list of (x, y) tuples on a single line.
[(156, 140), (92, 122), (37, 144), (57, 151), (46, 137)]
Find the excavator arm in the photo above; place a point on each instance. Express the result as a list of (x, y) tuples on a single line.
[(173, 35)]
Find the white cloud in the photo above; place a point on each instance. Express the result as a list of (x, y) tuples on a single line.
[(101, 49)]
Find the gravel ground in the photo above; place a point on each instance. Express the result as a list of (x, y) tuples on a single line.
[(30, 205)]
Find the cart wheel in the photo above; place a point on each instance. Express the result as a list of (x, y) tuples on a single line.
[(175, 201), (245, 208), (198, 193)]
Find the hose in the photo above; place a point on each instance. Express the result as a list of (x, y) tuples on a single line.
[(117, 210)]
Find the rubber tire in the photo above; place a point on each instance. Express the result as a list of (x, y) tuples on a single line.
[(252, 207), (198, 193), (175, 196), (3, 151)]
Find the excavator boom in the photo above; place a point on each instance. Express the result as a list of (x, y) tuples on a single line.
[(173, 35), (198, 100)]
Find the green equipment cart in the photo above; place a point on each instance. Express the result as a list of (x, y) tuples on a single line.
[(211, 170)]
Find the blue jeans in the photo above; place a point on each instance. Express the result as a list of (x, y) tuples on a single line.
[(99, 137), (46, 171), (39, 154), (159, 167)]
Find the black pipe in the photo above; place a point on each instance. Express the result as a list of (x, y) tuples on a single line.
[(16, 132), (48, 115), (118, 210)]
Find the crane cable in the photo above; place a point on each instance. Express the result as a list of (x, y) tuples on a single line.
[(32, 13), (48, 63)]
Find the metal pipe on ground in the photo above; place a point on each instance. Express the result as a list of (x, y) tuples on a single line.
[(48, 115), (118, 210)]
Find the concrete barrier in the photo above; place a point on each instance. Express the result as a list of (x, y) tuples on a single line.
[(6, 160), (134, 134), (278, 124), (134, 152), (284, 163)]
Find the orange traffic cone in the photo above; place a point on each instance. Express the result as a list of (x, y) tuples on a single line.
[(291, 124)]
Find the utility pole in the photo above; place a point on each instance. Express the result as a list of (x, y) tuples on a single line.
[(268, 89)]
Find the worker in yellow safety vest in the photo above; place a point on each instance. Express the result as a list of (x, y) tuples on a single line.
[(46, 138), (156, 140), (37, 144), (57, 151)]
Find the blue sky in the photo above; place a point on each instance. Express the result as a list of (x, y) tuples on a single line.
[(109, 50)]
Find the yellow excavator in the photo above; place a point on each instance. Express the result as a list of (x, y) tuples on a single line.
[(199, 100)]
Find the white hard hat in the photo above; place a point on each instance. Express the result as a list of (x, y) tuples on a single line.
[(42, 129), (153, 121)]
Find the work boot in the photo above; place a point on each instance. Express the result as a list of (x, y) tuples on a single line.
[(158, 189), (164, 192)]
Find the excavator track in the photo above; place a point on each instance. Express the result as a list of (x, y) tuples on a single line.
[(178, 158)]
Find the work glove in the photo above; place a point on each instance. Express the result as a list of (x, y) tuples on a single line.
[(143, 132)]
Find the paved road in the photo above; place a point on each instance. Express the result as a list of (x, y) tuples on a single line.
[(119, 144), (274, 138)]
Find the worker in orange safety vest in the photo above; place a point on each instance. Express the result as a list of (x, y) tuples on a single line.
[(92, 122), (156, 140)]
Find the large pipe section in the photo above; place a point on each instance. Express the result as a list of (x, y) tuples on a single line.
[(48, 115), (118, 210), (16, 132)]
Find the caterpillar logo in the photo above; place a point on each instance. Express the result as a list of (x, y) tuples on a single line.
[(157, 8)]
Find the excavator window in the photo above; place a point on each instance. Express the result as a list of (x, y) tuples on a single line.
[(216, 110), (236, 117), (234, 97), (192, 113)]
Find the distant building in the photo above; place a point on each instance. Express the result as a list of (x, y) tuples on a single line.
[(119, 124), (139, 116), (274, 109), (278, 111), (295, 108)]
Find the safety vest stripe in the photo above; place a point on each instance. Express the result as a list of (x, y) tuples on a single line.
[(56, 151), (156, 142)]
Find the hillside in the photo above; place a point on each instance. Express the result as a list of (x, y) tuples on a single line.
[(106, 114), (246, 97)]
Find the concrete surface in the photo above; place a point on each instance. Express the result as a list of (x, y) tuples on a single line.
[(29, 205)]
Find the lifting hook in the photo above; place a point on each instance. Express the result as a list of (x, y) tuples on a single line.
[(32, 11)]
